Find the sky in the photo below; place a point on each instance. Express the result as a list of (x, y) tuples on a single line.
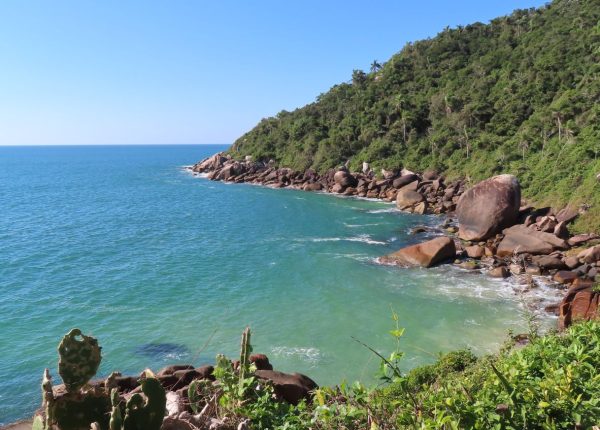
[(192, 71)]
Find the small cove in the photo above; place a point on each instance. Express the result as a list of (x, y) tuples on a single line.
[(164, 267)]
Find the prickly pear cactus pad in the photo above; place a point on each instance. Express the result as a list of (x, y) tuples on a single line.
[(79, 359)]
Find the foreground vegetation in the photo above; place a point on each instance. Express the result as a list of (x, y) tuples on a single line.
[(552, 383), (519, 95)]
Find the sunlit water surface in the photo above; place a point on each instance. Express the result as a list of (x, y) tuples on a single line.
[(165, 267)]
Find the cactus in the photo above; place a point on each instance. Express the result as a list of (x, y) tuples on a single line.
[(47, 398), (115, 415), (149, 415), (245, 351), (79, 359)]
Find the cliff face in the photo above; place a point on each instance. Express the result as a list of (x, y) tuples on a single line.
[(519, 95)]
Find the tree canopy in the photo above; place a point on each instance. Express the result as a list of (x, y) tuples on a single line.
[(519, 95)]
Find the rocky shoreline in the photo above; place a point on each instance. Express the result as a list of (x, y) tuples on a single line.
[(495, 232)]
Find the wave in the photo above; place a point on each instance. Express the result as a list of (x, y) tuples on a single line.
[(382, 211), (362, 225), (309, 354), (362, 238)]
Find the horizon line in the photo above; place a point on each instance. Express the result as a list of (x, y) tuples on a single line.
[(10, 145)]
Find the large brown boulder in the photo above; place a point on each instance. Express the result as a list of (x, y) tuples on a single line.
[(580, 303), (406, 198), (345, 179), (519, 239), (290, 387), (404, 180), (424, 254), (488, 207)]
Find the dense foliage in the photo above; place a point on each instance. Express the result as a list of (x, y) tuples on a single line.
[(552, 383), (519, 95)]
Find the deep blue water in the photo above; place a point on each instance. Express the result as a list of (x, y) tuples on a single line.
[(164, 267)]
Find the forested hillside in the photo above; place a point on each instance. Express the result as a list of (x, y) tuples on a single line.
[(519, 95)]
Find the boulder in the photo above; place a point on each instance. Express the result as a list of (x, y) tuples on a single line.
[(561, 230), (565, 277), (420, 208), (499, 272), (567, 215), (261, 361), (475, 251), (571, 262), (580, 303), (337, 188), (345, 179), (169, 370), (314, 186), (578, 239), (590, 255), (407, 198), (548, 262), (488, 207), (424, 254), (404, 180), (519, 239), (290, 387), (430, 175)]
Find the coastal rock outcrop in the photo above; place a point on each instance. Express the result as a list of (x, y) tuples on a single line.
[(424, 254), (436, 196), (488, 207), (580, 303)]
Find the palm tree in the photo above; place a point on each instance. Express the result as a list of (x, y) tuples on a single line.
[(375, 66)]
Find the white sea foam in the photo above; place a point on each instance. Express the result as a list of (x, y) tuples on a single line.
[(356, 257), (382, 211), (362, 238), (309, 354), (362, 225)]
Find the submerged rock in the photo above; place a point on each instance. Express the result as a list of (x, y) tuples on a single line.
[(162, 350)]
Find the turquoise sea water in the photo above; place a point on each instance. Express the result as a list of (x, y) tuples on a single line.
[(164, 267)]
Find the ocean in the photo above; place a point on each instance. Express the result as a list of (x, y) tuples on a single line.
[(165, 267)]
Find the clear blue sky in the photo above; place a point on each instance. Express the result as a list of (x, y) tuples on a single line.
[(175, 71)]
